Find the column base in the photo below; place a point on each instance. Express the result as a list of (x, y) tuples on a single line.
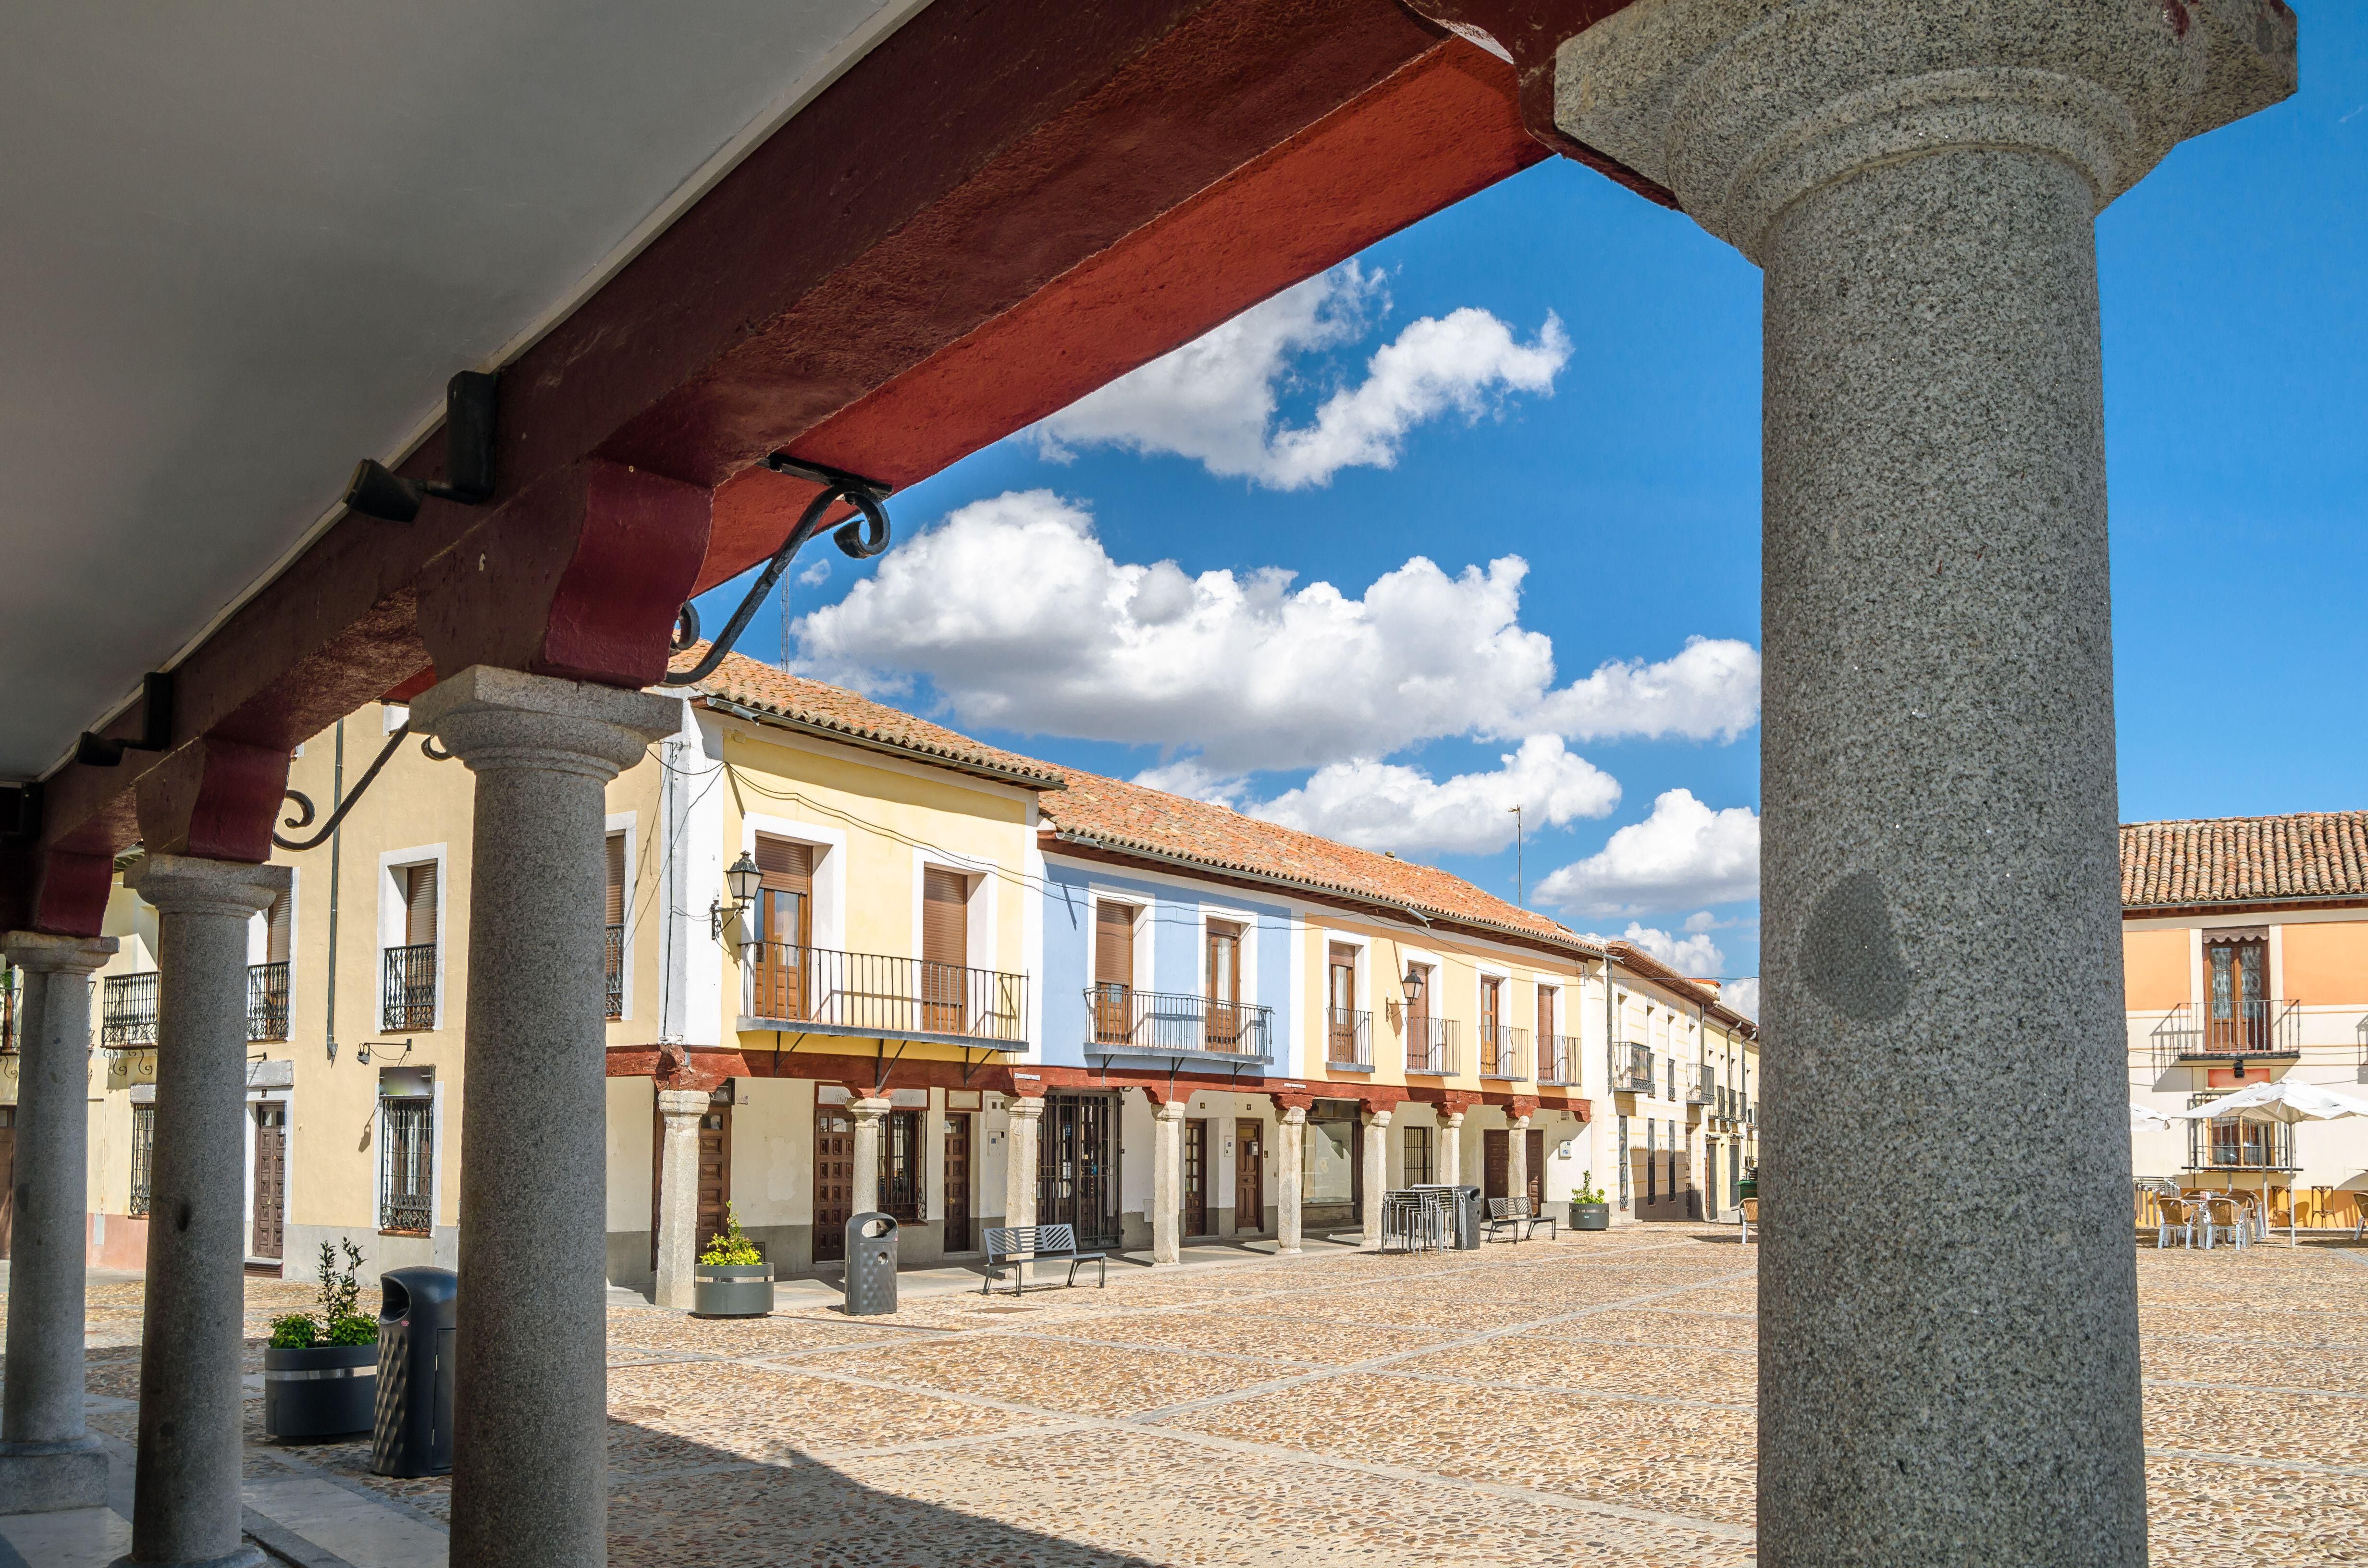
[(244, 1557), (45, 1483)]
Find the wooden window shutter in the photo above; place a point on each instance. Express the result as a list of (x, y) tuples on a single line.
[(615, 914), (419, 904), (1114, 944), (276, 935), (945, 916), (785, 864), (1545, 1013)]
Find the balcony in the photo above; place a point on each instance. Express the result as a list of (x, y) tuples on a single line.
[(127, 1012), (2236, 1145), (407, 998), (266, 1001), (613, 970), (1503, 1052), (875, 996), (1557, 1058), (1122, 1021), (1432, 1046), (1631, 1068), (2240, 1031), (1348, 1040), (1700, 1092)]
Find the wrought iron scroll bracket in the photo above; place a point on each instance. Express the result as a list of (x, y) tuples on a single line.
[(861, 537), (304, 808)]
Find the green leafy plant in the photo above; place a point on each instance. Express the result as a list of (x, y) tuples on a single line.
[(731, 1244), (297, 1331), (1586, 1192), (336, 1322)]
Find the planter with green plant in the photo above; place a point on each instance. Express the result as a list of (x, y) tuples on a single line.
[(320, 1371), (733, 1279), (1587, 1209), (1749, 1185)]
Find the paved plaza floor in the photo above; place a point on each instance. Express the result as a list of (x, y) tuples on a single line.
[(1574, 1401)]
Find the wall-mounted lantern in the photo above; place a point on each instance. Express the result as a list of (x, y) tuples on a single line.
[(744, 880)]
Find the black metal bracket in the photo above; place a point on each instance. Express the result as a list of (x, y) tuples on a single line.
[(376, 491), (361, 786), (95, 750), (861, 537), (23, 818), (886, 1065)]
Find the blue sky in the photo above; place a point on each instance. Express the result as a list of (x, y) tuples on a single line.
[(1616, 453)]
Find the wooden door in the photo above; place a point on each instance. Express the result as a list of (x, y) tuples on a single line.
[(270, 1179), (1113, 972), (1495, 1164), (2236, 986), (1196, 1176), (784, 929), (958, 1194), (834, 1184), (715, 1168), (8, 1177), (1537, 1152), (945, 949), (1225, 980), (1249, 1175), (1492, 1027), (1340, 1006)]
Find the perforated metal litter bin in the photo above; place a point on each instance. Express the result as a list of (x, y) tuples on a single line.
[(1468, 1210), (413, 1432), (870, 1265)]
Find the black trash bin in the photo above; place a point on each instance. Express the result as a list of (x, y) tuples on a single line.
[(870, 1265), (413, 1433), (1468, 1212)]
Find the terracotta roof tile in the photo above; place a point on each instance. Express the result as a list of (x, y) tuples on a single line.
[(2245, 859)]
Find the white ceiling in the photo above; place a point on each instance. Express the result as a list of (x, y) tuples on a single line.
[(245, 244)]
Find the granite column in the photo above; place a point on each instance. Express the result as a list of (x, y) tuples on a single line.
[(1289, 1146), (680, 1112), (1167, 1182)]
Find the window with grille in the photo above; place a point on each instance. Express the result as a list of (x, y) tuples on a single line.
[(407, 1164), (1418, 1156), (143, 1154), (612, 963)]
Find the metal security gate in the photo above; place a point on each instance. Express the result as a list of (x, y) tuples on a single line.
[(1076, 1171)]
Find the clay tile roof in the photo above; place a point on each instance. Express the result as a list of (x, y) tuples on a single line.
[(2245, 859), (833, 711), (1130, 817), (1636, 960)]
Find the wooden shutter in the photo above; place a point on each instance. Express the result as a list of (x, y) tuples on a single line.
[(1342, 980), (1545, 1014), (785, 863), (945, 916), (1114, 944), (275, 933), (1224, 962), (1492, 992), (419, 904), (615, 914)]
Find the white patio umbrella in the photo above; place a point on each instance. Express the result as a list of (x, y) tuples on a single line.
[(2278, 1099), (2146, 1119)]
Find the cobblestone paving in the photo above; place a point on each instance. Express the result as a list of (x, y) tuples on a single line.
[(1572, 1403)]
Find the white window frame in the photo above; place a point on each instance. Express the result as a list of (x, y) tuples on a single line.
[(979, 922), (1146, 906), (829, 873), (1248, 925)]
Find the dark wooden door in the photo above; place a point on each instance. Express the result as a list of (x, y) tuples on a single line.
[(958, 1195), (1537, 1153), (783, 919), (1495, 1164), (8, 1177), (270, 1179), (714, 1170), (901, 1169), (834, 1186), (1249, 1175), (1196, 1176)]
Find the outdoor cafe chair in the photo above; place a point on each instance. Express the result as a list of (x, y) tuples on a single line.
[(2238, 1220), (2173, 1214)]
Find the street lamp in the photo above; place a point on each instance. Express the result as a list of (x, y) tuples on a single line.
[(1411, 985), (744, 880)]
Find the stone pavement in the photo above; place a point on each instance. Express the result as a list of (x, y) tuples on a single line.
[(1578, 1401)]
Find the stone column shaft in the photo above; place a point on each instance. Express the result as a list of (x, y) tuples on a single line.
[(48, 1458), (186, 1495), (1024, 1126), (1516, 1156), (871, 1115), (1168, 1183), (1290, 1149), (1451, 1147), (1376, 1175), (1920, 183), (680, 1110), (529, 1452)]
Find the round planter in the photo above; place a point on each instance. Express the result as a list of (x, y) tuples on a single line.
[(732, 1289), (1747, 1187), (328, 1391), (1591, 1216)]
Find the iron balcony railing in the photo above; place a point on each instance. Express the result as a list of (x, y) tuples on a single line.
[(877, 993), (1631, 1068), (1557, 1058), (1348, 1038), (2359, 1034), (1433, 1045), (1701, 1090), (407, 1001), (612, 971), (1503, 1050), (2231, 1144), (1120, 1018), (266, 1001), (2227, 1032), (127, 1012)]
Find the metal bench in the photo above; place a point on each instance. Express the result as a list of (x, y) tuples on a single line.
[(1513, 1214), (1016, 1246)]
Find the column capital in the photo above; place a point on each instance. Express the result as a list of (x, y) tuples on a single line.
[(869, 1109), (184, 884), (1378, 1116), (493, 717), (684, 1102), (1294, 1116), (1743, 107), (1168, 1110), (45, 954), (1027, 1109)]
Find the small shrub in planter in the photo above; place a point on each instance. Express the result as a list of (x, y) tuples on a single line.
[(1587, 1209), (320, 1370), (1749, 1185), (733, 1279)]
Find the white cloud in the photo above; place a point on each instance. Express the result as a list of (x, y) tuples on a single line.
[(1701, 920), (1379, 805), (1743, 995), (1215, 399), (1695, 955), (1017, 614), (1683, 854), (814, 574)]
